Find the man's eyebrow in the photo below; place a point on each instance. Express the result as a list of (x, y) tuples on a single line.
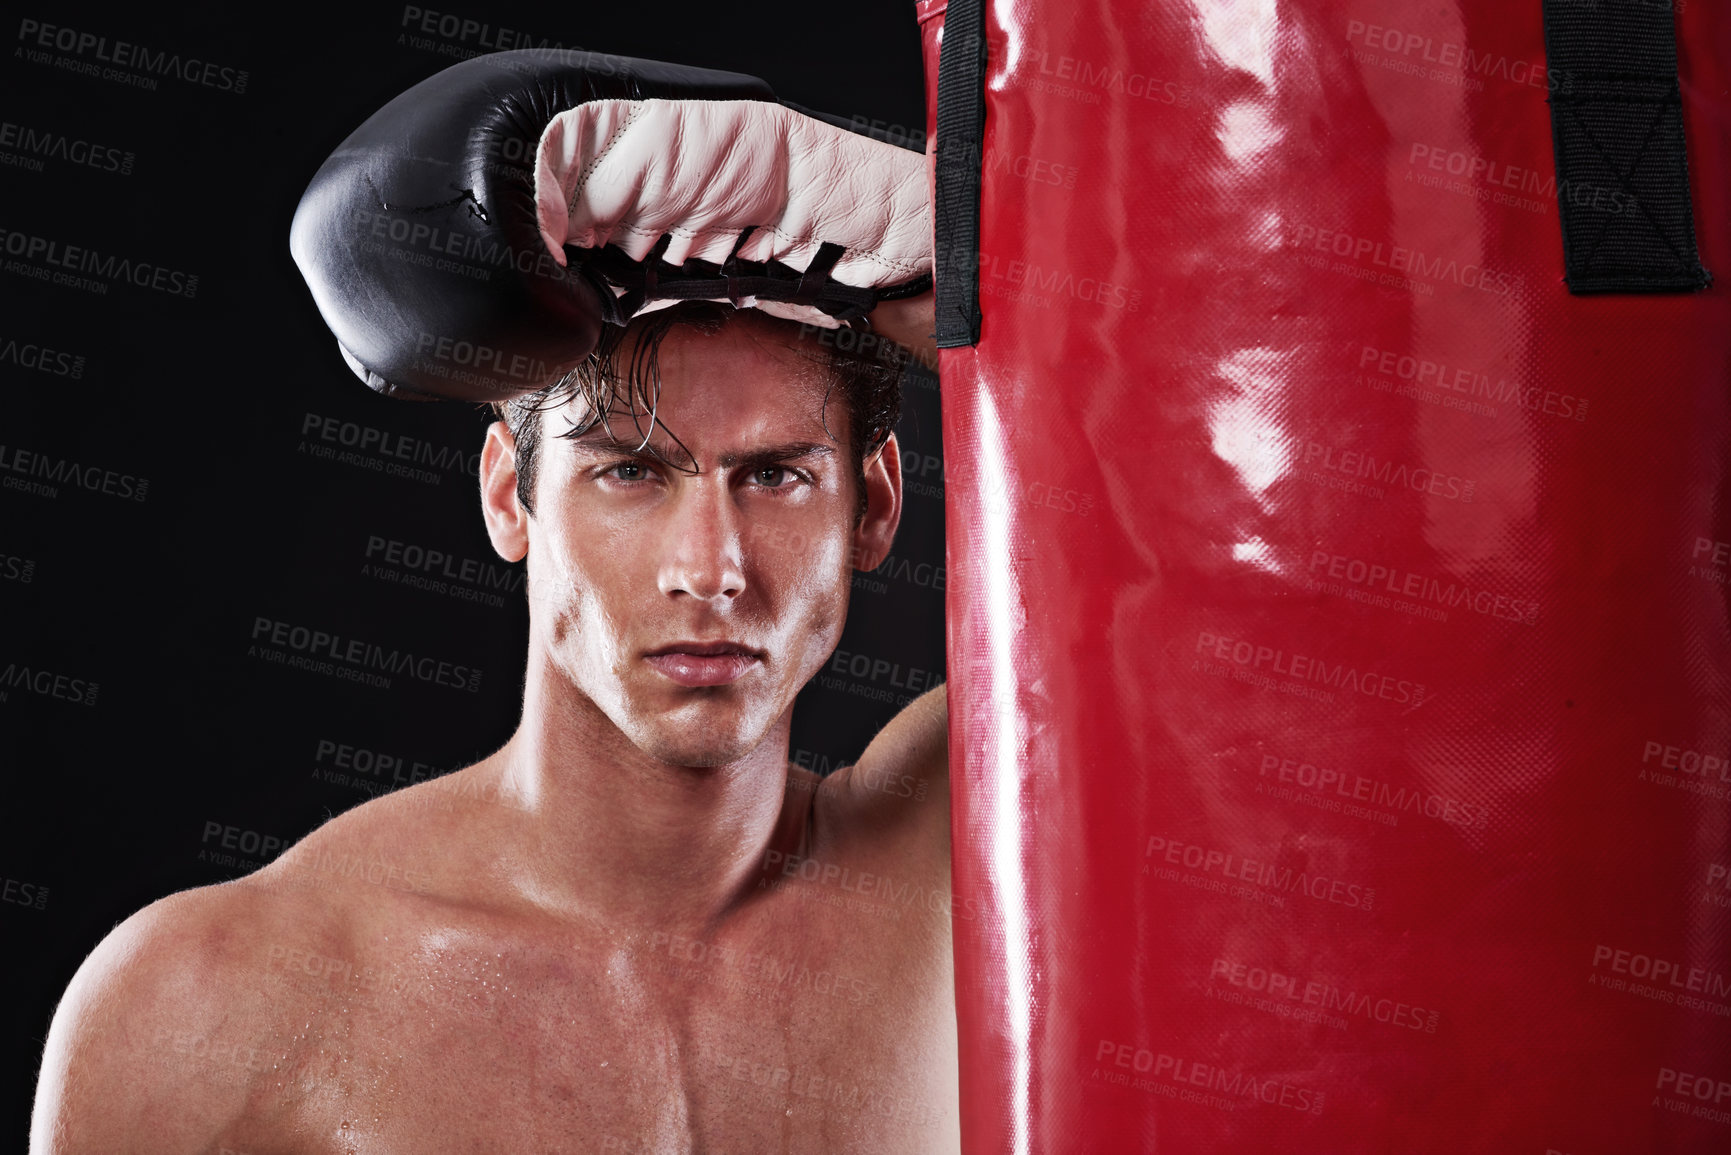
[(768, 454), (605, 443)]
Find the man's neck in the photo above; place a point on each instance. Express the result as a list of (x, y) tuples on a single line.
[(640, 844)]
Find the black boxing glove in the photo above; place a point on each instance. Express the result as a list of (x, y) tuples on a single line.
[(471, 238)]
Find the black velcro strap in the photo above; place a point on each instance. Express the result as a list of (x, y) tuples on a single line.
[(817, 273), (732, 268), (1617, 127), (654, 279), (960, 147)]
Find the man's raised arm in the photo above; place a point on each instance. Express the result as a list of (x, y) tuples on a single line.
[(902, 781)]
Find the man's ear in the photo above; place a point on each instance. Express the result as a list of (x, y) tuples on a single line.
[(883, 487), (507, 521)]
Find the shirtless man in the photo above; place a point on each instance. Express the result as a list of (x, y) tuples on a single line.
[(637, 927)]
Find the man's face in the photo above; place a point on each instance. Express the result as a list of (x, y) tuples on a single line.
[(691, 607)]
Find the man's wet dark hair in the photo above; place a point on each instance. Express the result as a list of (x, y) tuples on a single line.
[(621, 381)]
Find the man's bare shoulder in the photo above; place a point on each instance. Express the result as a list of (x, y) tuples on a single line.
[(415, 843), (191, 1007), (901, 782), (147, 1051)]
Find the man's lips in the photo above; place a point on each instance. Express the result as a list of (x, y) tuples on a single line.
[(703, 663)]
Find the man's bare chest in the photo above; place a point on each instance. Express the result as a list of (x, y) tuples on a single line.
[(821, 1022)]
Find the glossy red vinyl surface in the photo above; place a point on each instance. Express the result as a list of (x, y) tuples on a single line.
[(1340, 670)]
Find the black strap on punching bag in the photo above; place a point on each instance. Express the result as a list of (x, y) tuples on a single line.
[(1617, 128), (961, 136)]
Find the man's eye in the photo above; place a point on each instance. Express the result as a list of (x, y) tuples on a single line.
[(772, 476), (629, 471)]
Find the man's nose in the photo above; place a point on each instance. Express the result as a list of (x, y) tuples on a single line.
[(704, 549)]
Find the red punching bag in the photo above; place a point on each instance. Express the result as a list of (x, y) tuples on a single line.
[(1336, 422)]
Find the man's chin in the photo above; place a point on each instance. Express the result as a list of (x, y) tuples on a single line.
[(699, 734), (697, 751)]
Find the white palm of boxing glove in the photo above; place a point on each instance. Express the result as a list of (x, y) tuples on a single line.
[(701, 172)]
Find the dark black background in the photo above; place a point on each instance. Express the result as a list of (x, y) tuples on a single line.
[(108, 804)]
